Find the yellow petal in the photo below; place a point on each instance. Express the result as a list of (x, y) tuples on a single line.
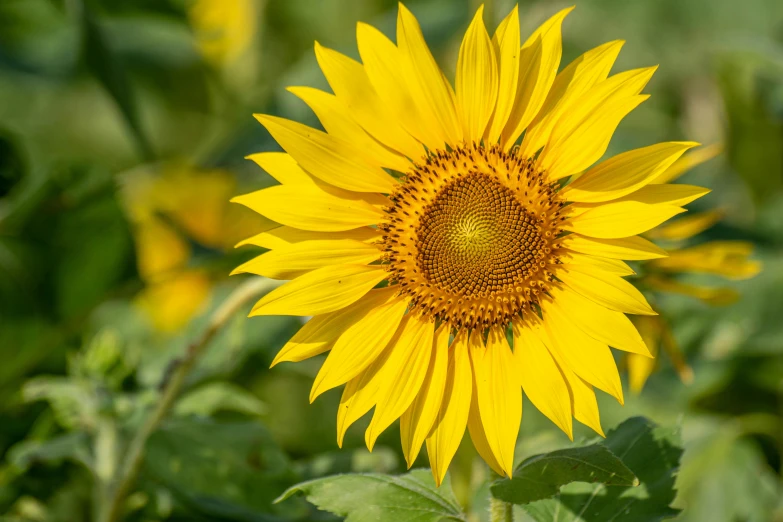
[(330, 159), (426, 82), (449, 427), (320, 332), (336, 119), (586, 140), (619, 219), (320, 291), (632, 248), (403, 373), (284, 236), (479, 437), (542, 380), (477, 79), (568, 87), (351, 84), (589, 358), (294, 260), (613, 266), (498, 394), (417, 421), (606, 289), (383, 63), (689, 161), (625, 173), (282, 167), (505, 43), (602, 324), (688, 226), (359, 346), (583, 402), (539, 59), (673, 195), (309, 208)]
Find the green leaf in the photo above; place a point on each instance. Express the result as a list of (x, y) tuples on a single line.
[(541, 476), (71, 446), (652, 453), (381, 498), (229, 471)]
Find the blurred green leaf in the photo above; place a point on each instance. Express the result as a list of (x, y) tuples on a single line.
[(73, 403), (652, 453), (382, 498), (231, 471), (541, 476), (725, 479), (70, 446), (212, 397)]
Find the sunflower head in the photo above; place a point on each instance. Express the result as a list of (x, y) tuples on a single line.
[(459, 245)]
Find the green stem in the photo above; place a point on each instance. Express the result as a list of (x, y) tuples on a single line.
[(111, 510), (500, 511)]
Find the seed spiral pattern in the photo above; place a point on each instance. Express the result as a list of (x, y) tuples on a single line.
[(473, 235)]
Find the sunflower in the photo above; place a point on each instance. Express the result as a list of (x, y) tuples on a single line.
[(448, 269), (726, 259)]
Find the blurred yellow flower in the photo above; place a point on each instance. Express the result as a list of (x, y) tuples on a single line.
[(728, 259), (417, 281), (167, 213), (223, 28)]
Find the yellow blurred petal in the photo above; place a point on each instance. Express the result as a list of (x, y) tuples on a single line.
[(170, 303), (359, 346), (568, 87), (294, 260), (282, 167), (335, 118), (223, 30), (605, 325), (639, 367), (330, 159), (725, 258), (449, 427), (589, 358), (539, 59), (498, 394), (714, 296), (403, 373), (624, 173), (320, 332), (417, 421), (606, 289), (309, 208), (351, 84), (619, 219), (541, 379), (426, 82), (320, 291), (687, 226), (159, 249), (505, 43), (477, 79), (632, 248), (689, 161), (284, 236), (382, 64)]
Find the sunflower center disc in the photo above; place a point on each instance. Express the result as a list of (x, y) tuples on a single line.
[(472, 236)]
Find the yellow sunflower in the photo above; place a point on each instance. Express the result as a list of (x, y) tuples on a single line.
[(729, 259), (447, 268)]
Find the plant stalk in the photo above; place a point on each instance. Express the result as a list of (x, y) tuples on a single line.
[(499, 511), (112, 508)]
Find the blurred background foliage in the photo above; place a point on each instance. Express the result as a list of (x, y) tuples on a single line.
[(123, 128)]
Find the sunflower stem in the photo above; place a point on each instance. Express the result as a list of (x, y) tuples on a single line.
[(500, 511), (111, 509)]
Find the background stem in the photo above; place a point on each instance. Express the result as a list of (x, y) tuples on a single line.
[(111, 509)]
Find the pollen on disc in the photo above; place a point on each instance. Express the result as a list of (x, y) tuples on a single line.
[(472, 235)]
